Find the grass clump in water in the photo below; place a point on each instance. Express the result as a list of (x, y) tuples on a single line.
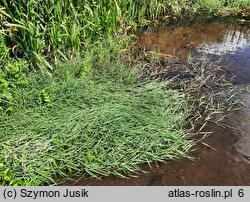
[(96, 127)]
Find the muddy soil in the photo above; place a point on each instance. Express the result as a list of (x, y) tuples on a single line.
[(226, 161)]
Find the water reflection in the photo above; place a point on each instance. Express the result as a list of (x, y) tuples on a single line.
[(234, 40), (213, 38)]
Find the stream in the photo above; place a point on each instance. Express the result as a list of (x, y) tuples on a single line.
[(227, 160)]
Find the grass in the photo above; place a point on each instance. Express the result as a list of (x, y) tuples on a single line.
[(43, 32), (90, 113), (92, 116), (98, 125)]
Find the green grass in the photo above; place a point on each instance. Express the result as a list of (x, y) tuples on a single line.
[(99, 128), (90, 114), (223, 7), (45, 31)]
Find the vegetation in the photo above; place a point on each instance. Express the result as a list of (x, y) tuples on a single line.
[(44, 32), (69, 102), (70, 123)]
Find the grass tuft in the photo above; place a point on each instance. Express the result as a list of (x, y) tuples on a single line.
[(94, 127)]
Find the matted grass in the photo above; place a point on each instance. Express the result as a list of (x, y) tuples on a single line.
[(98, 128)]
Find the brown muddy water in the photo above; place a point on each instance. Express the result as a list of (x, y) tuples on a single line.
[(226, 161)]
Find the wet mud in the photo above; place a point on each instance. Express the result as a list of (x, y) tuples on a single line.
[(222, 158)]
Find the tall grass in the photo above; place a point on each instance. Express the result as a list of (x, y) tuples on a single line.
[(43, 31)]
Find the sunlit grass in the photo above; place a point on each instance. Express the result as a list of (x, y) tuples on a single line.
[(44, 32), (90, 127)]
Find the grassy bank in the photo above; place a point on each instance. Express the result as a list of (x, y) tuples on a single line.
[(35, 35), (71, 102), (44, 32), (102, 126)]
